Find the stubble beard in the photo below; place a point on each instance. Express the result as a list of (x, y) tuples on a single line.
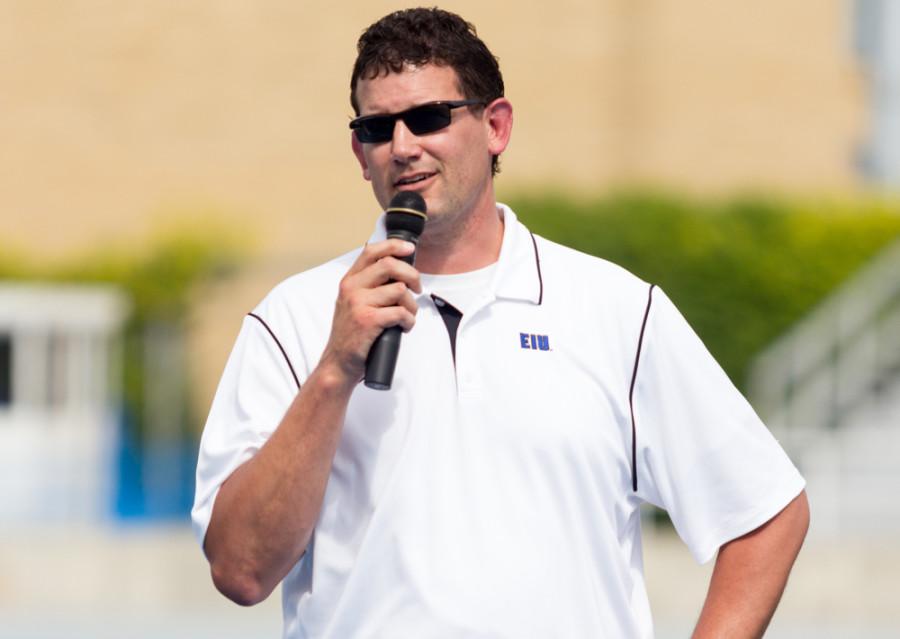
[(442, 231), (454, 215)]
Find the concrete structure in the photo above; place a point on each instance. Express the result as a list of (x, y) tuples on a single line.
[(59, 395), (152, 583)]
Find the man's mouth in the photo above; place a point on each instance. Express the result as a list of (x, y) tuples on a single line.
[(413, 179)]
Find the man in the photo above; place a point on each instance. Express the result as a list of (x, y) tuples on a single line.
[(541, 396)]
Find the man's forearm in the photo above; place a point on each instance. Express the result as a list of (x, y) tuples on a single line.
[(265, 511), (750, 575)]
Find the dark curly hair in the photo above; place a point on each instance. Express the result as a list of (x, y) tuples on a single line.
[(422, 36)]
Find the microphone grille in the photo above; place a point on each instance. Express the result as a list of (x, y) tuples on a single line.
[(406, 212), (408, 200)]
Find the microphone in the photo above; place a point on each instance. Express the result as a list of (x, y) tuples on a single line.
[(404, 219)]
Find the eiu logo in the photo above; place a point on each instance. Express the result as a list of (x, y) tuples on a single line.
[(534, 342)]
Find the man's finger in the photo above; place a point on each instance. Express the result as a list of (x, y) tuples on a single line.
[(393, 294), (386, 269), (373, 252), (396, 316)]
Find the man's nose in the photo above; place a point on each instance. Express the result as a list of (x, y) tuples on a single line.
[(404, 144)]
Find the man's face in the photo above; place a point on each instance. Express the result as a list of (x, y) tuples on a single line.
[(450, 168)]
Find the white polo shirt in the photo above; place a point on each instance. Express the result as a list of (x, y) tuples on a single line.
[(498, 496)]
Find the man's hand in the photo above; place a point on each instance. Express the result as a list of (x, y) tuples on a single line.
[(265, 512), (373, 295), (750, 575)]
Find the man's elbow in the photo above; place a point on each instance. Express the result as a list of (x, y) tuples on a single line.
[(235, 577), (241, 587)]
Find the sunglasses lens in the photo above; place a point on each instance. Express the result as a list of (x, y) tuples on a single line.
[(378, 129), (423, 119), (427, 118)]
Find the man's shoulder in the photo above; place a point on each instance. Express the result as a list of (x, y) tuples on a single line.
[(308, 288), (580, 269)]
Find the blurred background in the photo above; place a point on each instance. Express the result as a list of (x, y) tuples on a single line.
[(163, 164)]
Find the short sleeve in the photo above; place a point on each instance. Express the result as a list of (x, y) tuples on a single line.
[(256, 388), (701, 452)]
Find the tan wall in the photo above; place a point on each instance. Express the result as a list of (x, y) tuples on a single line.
[(735, 94), (118, 116), (114, 114)]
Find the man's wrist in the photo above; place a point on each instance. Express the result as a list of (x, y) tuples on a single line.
[(332, 378)]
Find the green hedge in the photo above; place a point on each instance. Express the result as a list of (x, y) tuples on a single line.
[(741, 270)]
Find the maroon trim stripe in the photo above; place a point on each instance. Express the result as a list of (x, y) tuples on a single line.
[(537, 261), (280, 347), (637, 359)]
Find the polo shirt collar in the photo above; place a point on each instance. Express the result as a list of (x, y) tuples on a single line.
[(518, 274)]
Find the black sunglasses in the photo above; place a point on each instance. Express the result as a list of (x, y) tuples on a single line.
[(422, 119)]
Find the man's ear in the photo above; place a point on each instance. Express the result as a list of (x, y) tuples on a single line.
[(498, 118), (360, 156)]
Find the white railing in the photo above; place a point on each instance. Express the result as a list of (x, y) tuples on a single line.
[(830, 391), (843, 353)]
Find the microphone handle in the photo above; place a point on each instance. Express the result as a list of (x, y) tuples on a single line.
[(382, 359)]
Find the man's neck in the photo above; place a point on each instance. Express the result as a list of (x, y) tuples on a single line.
[(472, 246)]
